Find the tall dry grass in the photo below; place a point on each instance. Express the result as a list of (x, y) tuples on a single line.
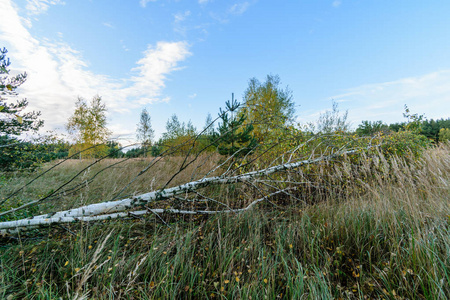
[(379, 230), (81, 182)]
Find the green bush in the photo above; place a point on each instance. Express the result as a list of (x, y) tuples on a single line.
[(404, 143)]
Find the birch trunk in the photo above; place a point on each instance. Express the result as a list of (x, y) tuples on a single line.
[(16, 226), (113, 209)]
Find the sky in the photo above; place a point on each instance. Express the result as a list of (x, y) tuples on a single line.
[(186, 57)]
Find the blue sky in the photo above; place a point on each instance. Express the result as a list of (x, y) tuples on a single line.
[(187, 57)]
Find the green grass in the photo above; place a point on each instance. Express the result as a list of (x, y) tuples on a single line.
[(391, 240)]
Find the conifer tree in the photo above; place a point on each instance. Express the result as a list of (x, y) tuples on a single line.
[(234, 136), (12, 120)]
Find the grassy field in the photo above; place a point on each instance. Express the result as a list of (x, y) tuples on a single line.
[(384, 235)]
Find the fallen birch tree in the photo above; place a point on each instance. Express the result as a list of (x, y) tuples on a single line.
[(124, 207)]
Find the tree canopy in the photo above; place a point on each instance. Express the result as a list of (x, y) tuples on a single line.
[(267, 106), (234, 137), (13, 119), (332, 121), (88, 125), (144, 131)]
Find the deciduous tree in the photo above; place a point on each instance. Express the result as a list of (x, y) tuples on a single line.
[(444, 135), (179, 136), (332, 121), (88, 125), (267, 107), (145, 132)]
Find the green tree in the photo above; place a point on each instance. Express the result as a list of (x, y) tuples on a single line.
[(414, 123), (206, 139), (398, 126), (88, 125), (431, 128), (371, 128), (174, 128), (208, 129), (268, 107), (234, 137), (444, 135), (114, 149), (17, 155), (14, 153), (180, 137), (13, 121), (145, 132), (190, 129), (332, 121)]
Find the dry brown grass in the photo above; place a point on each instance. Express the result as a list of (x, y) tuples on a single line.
[(102, 181), (380, 229)]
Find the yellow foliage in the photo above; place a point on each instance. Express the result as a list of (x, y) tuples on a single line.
[(86, 150)]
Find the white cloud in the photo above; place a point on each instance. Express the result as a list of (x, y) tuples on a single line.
[(428, 94), (203, 1), (36, 7), (154, 66), (193, 95), (337, 3), (239, 8), (57, 74), (108, 24), (143, 3)]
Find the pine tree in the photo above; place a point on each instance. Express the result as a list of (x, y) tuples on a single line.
[(14, 153), (12, 120), (234, 137)]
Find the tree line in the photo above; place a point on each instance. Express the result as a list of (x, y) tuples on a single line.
[(264, 117)]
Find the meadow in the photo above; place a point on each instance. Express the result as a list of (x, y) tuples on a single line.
[(379, 230)]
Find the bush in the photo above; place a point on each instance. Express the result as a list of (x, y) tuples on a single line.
[(404, 143)]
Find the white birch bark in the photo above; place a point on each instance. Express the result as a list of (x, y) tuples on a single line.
[(25, 224), (113, 209)]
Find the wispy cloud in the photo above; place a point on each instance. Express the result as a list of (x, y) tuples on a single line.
[(143, 3), (203, 1), (108, 24), (337, 3), (36, 7), (239, 8), (179, 18), (58, 74), (428, 94)]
